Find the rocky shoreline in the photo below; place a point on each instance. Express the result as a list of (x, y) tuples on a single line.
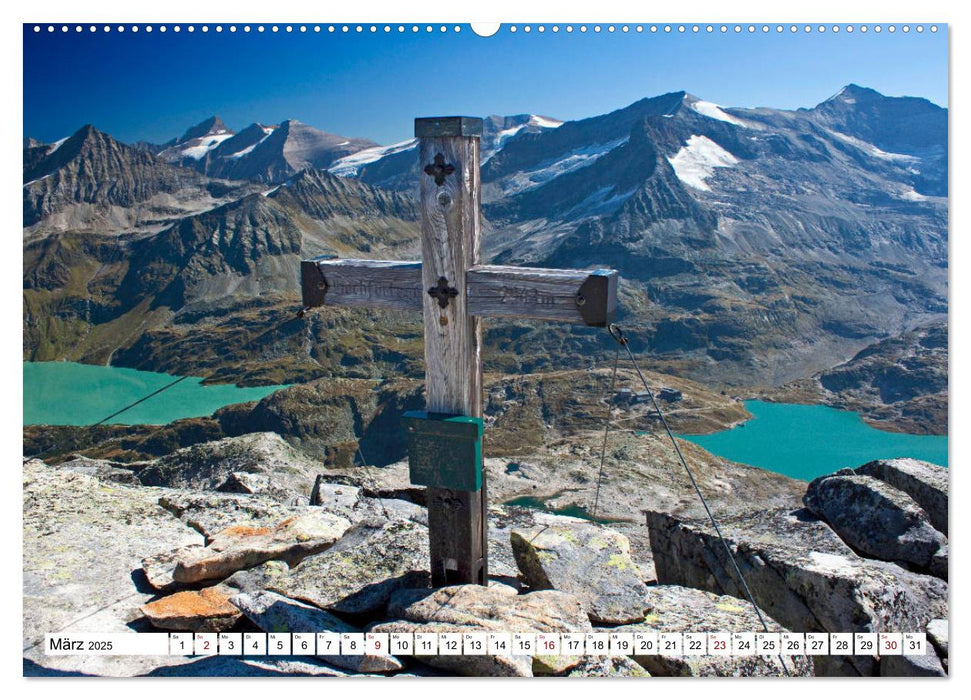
[(899, 384), (247, 533)]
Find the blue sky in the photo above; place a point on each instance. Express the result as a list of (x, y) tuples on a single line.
[(153, 86)]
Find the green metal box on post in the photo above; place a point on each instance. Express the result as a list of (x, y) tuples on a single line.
[(444, 451)]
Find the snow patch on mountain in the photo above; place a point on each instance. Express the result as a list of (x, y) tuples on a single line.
[(844, 95), (350, 166), (544, 122), (912, 195), (603, 200), (565, 163), (713, 111), (872, 150), (267, 130), (206, 144), (501, 137), (534, 120), (57, 144), (697, 160), (44, 177)]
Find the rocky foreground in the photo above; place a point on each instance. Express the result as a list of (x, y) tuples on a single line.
[(246, 534)]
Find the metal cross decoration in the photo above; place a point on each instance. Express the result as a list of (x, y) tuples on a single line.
[(444, 442), (443, 292), (439, 170)]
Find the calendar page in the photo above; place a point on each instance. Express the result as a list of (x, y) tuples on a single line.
[(524, 349)]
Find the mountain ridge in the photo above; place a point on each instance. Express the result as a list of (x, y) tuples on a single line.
[(745, 237)]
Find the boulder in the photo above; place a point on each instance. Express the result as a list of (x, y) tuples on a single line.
[(265, 461), (939, 563), (272, 612), (210, 513), (584, 559), (678, 609), (101, 469), (926, 483), (358, 575), (84, 542), (257, 578), (800, 573), (159, 569), (927, 664), (245, 482), (608, 667), (356, 504), (207, 610), (243, 546), (341, 498), (504, 519), (389, 509), (470, 608), (937, 635), (875, 518), (248, 667)]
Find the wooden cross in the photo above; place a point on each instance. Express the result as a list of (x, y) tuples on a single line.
[(453, 290)]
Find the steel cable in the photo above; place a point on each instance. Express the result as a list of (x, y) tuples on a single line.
[(618, 335)]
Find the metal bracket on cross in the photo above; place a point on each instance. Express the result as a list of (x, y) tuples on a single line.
[(454, 290)]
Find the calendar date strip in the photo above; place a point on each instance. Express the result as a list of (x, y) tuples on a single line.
[(487, 644)]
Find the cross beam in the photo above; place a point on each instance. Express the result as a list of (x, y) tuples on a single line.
[(496, 291), (454, 290)]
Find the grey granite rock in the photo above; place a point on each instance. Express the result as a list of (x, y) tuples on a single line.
[(209, 512), (608, 667), (459, 609), (679, 609), (937, 633), (589, 561), (84, 542), (102, 469), (939, 563), (358, 575), (926, 483), (243, 546), (875, 518), (257, 462), (801, 573), (159, 568), (272, 612), (257, 578), (903, 665)]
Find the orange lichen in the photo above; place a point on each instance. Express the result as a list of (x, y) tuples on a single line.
[(244, 531), (209, 602)]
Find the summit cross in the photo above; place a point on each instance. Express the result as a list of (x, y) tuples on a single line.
[(454, 290)]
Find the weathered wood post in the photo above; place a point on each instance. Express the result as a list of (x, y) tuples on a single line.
[(451, 242), (453, 291)]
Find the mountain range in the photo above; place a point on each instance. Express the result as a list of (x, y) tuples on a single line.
[(754, 245)]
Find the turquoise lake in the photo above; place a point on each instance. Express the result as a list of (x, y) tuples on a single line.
[(808, 441), (68, 393)]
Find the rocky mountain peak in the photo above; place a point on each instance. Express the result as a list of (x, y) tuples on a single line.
[(848, 94), (91, 167), (86, 141), (213, 126), (909, 125), (323, 195)]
